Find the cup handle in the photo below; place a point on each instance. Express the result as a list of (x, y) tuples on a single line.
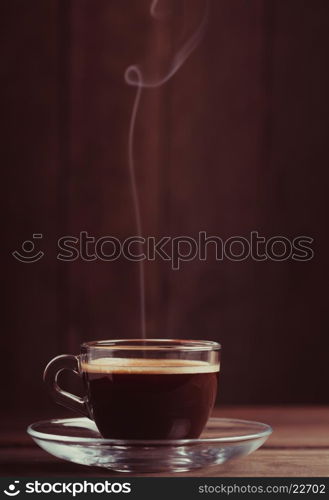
[(64, 398)]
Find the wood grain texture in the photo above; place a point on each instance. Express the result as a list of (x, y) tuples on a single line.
[(235, 142), (29, 160)]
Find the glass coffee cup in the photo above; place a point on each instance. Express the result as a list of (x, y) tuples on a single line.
[(142, 389)]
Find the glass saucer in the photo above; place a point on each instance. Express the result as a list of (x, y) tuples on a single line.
[(78, 440)]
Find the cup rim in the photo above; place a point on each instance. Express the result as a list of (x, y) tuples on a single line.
[(153, 344)]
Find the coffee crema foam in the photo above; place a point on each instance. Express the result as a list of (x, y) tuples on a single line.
[(148, 366)]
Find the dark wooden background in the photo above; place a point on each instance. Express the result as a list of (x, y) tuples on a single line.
[(236, 141)]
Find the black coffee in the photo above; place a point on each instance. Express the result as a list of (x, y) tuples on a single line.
[(150, 399)]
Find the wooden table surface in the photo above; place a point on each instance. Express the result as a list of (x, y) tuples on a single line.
[(299, 446)]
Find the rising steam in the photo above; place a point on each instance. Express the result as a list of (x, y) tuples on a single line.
[(134, 76)]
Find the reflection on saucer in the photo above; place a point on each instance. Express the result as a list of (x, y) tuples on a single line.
[(78, 440)]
